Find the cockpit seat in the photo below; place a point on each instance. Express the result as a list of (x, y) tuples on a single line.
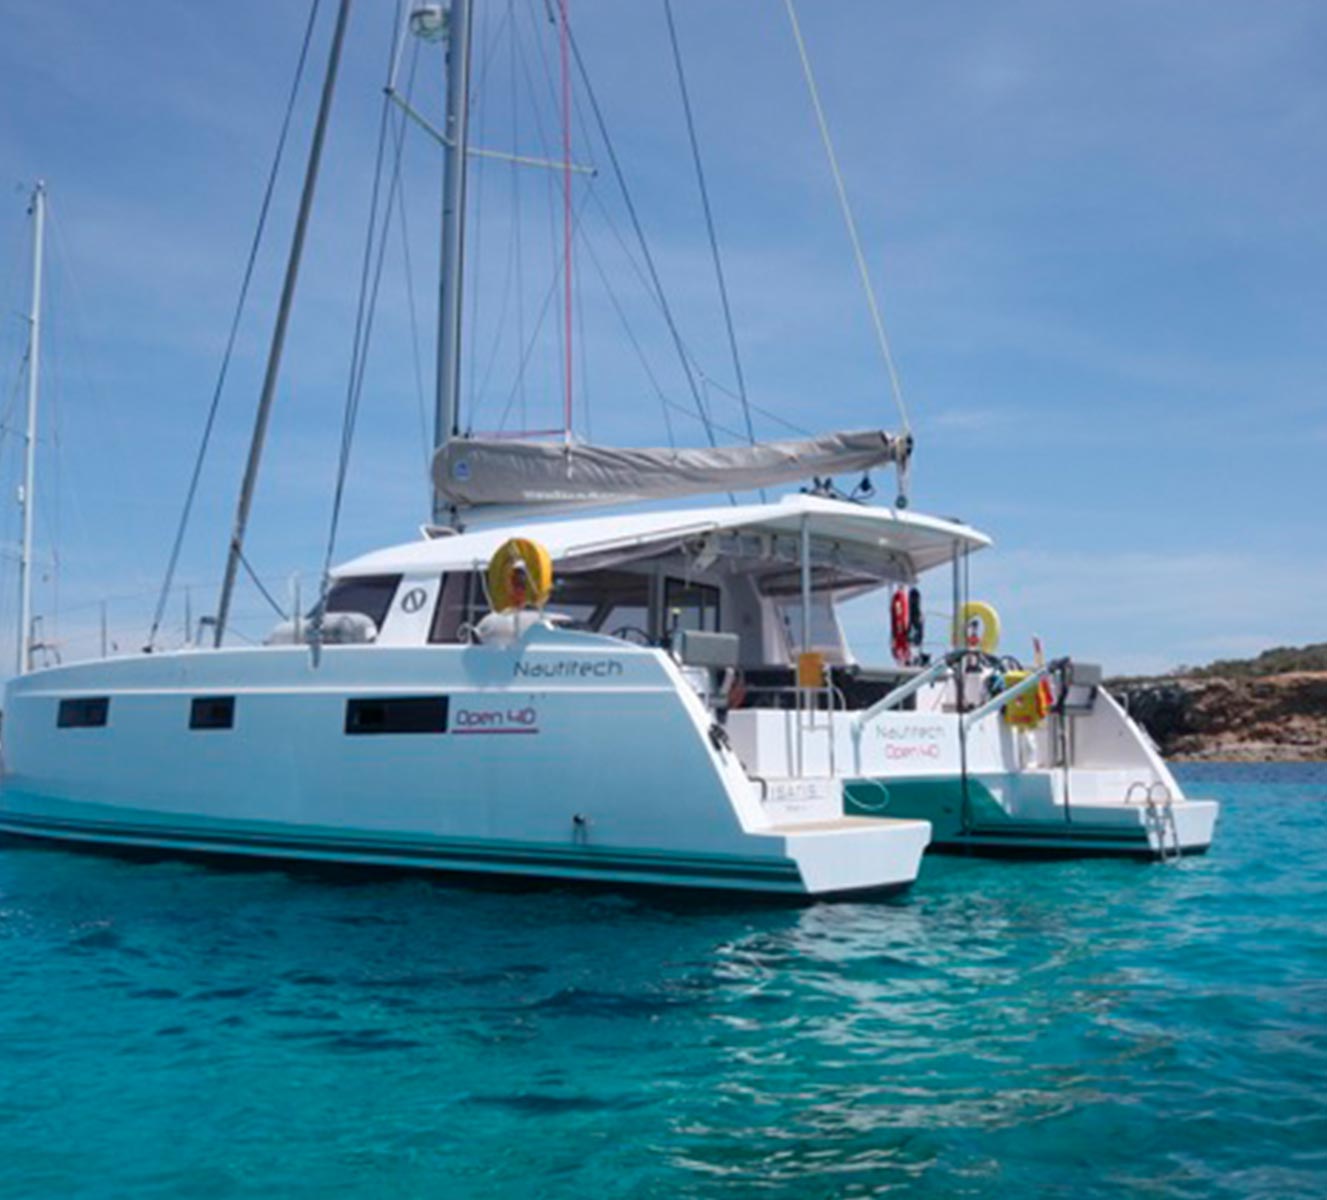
[(718, 651)]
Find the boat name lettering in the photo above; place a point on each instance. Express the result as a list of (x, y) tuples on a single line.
[(911, 733), (569, 668), (911, 741)]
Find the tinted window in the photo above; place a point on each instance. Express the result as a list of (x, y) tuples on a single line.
[(824, 625), (367, 594), (84, 713), (692, 606), (605, 601), (397, 714), (461, 602), (212, 712)]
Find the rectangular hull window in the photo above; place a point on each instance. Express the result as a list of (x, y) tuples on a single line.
[(84, 713), (212, 712), (397, 714)]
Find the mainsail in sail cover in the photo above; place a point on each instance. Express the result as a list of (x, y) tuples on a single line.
[(478, 472)]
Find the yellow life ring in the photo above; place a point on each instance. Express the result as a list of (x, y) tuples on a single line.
[(519, 575), (978, 610)]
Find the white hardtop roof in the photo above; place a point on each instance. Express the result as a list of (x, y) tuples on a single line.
[(926, 541)]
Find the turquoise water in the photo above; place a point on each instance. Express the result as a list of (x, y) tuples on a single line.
[(1014, 1029)]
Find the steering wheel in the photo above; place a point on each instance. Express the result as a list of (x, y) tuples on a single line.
[(631, 633)]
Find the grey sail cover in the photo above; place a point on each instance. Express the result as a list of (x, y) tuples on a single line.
[(473, 472)]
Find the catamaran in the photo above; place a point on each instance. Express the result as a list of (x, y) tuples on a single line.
[(558, 678)]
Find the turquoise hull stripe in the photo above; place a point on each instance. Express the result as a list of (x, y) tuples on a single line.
[(489, 857), (941, 802), (1069, 832)]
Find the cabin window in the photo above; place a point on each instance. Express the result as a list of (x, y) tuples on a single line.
[(86, 712), (370, 595), (397, 714), (605, 602), (212, 712), (825, 635), (692, 606), (461, 602)]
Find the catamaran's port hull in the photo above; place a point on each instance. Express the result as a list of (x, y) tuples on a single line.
[(565, 757), (899, 841)]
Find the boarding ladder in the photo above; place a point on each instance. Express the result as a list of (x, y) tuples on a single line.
[(1158, 817)]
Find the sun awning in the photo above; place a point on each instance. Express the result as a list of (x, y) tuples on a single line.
[(476, 472)]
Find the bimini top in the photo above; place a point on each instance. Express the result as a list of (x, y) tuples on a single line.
[(913, 541)]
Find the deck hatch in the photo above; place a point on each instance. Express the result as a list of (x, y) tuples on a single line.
[(212, 712), (397, 714), (83, 712)]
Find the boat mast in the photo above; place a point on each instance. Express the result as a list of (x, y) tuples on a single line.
[(455, 152), (26, 495), (236, 552)]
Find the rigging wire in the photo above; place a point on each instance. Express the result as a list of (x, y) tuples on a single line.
[(11, 409), (583, 347), (398, 133), (634, 216), (876, 318), (710, 382), (556, 238), (258, 583), (475, 225), (205, 441), (517, 223), (78, 340), (662, 397), (549, 296), (499, 335), (515, 249), (490, 53), (709, 225), (366, 308)]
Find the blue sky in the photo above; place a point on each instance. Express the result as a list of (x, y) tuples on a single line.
[(1097, 233)]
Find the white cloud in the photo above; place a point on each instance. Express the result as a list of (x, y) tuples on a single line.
[(1133, 611)]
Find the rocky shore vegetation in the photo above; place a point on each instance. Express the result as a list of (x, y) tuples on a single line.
[(1272, 708)]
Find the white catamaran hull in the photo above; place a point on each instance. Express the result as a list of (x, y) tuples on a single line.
[(568, 755), (992, 790)]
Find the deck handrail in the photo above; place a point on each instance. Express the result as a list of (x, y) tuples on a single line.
[(1010, 694), (904, 690)]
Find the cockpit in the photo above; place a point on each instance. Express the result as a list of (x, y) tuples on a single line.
[(739, 607)]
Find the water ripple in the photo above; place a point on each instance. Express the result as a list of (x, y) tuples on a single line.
[(1084, 1029)]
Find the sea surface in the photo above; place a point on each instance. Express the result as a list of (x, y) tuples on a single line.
[(1092, 1028)]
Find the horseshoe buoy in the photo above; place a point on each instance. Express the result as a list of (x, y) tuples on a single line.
[(1029, 710), (519, 575), (899, 617), (977, 614)]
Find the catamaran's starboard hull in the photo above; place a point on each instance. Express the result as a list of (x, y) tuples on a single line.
[(990, 791), (565, 757), (1026, 814)]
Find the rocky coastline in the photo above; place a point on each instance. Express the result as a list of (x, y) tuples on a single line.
[(1207, 717)]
